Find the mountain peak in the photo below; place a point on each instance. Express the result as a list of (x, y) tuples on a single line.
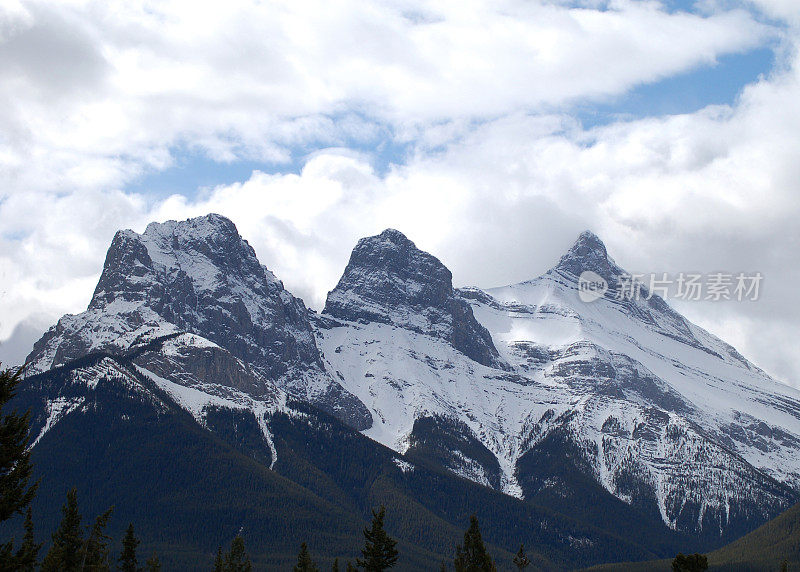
[(588, 253), (388, 270), (394, 252), (204, 250), (389, 280), (393, 235), (199, 276), (214, 219), (588, 239), (205, 225)]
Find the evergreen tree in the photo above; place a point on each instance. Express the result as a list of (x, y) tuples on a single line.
[(95, 557), (127, 561), (380, 552), (153, 564), (16, 490), (335, 567), (521, 559), (785, 566), (237, 560), (473, 556), (29, 551), (219, 563), (304, 561), (351, 568), (66, 553), (443, 567), (690, 563)]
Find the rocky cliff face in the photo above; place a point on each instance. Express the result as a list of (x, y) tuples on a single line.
[(390, 281)]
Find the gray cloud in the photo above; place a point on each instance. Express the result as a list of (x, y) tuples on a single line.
[(53, 53), (16, 348)]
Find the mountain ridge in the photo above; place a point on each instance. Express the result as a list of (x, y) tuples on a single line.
[(518, 388)]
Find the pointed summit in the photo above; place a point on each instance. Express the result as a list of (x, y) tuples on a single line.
[(588, 253), (589, 243), (389, 280), (203, 250)]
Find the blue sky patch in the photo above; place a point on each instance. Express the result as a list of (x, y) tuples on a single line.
[(720, 84)]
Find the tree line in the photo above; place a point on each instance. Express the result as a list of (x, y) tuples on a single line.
[(74, 547), (379, 553)]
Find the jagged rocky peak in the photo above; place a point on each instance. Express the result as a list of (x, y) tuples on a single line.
[(588, 254), (386, 272), (199, 276), (181, 269), (205, 251), (389, 280)]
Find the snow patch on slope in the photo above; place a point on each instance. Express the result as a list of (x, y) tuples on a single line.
[(196, 402), (404, 466), (57, 409)]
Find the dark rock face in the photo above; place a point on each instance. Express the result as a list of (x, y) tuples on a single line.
[(200, 276), (191, 365), (345, 406), (225, 295), (589, 253), (389, 280)]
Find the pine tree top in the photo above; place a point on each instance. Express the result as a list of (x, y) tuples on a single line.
[(237, 559), (304, 561), (66, 553), (379, 552), (153, 564), (128, 561), (521, 560), (472, 556)]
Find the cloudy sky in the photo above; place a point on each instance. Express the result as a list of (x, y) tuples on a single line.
[(490, 132)]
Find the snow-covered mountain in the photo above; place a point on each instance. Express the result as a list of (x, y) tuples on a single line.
[(662, 414), (519, 388)]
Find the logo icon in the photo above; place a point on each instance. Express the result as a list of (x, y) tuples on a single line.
[(591, 286)]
